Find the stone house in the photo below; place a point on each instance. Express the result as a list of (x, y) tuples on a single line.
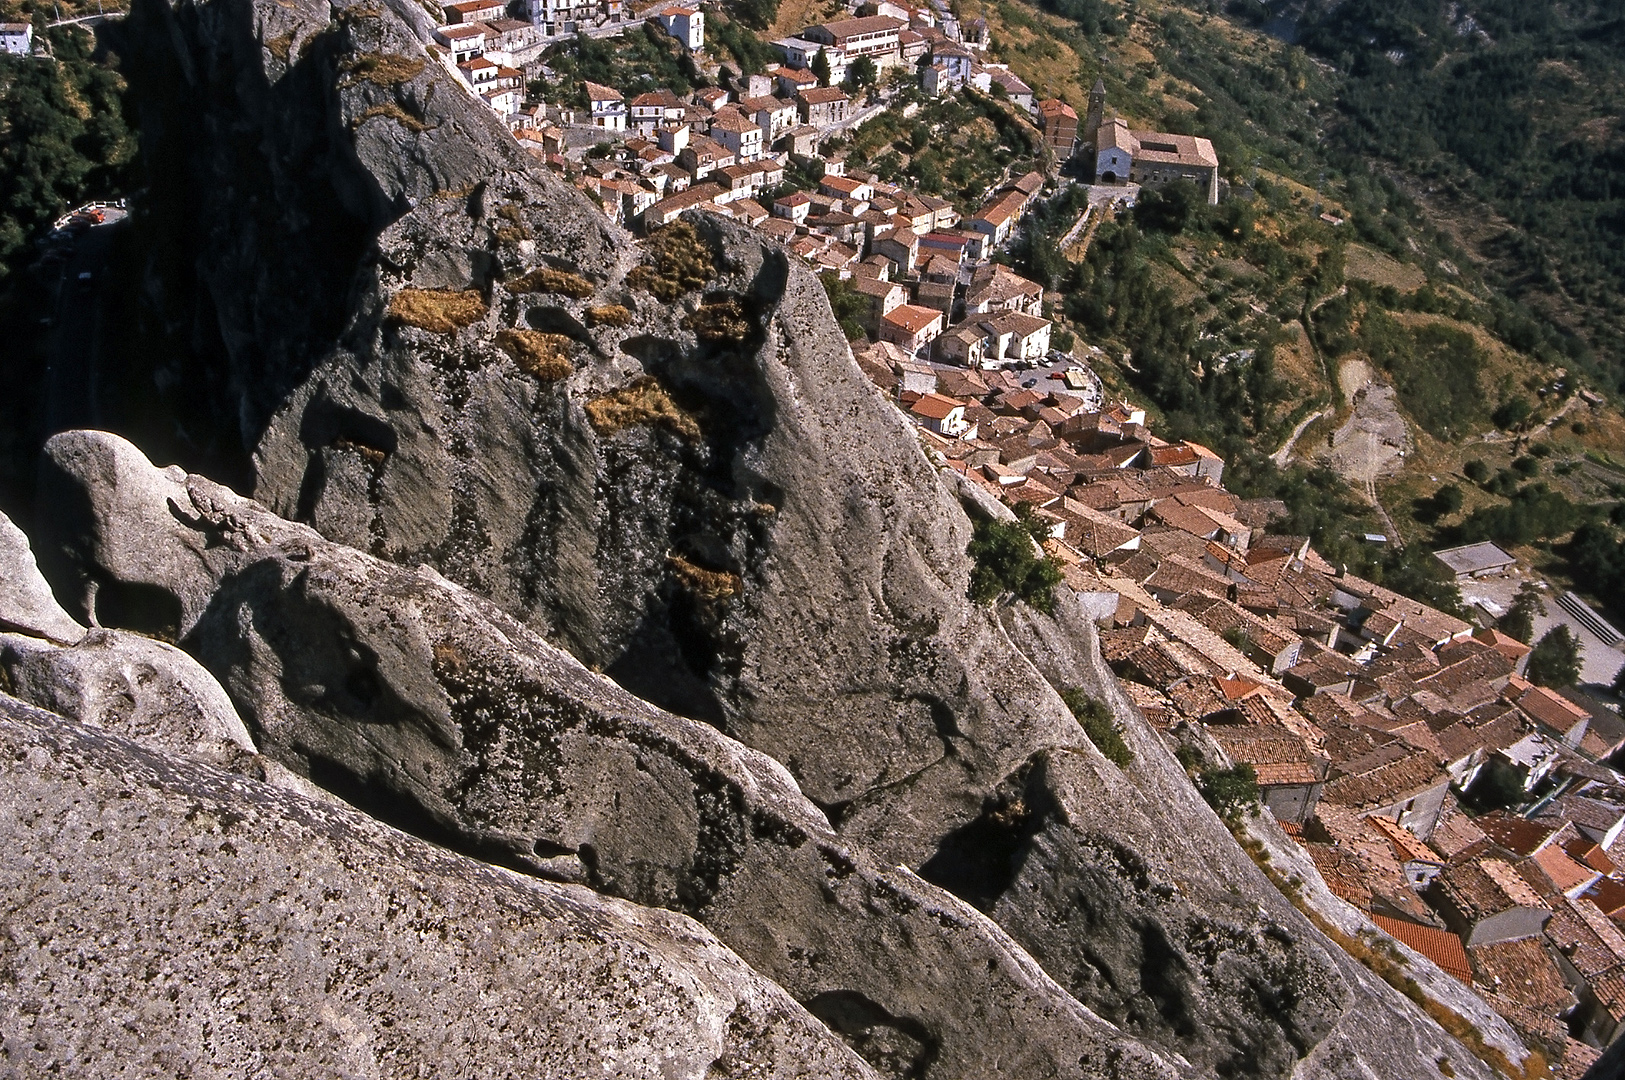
[(1485, 901), (911, 328), (608, 107), (822, 106), (884, 297), (943, 415)]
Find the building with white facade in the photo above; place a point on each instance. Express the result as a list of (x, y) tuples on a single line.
[(17, 38)]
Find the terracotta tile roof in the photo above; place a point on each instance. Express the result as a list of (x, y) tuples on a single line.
[(1407, 845), (1487, 886), (1384, 776), (1565, 875), (1587, 937), (1590, 853), (1609, 896), (1455, 832), (1551, 708), (912, 319), (1518, 835), (1523, 972), (1440, 946), (821, 95)]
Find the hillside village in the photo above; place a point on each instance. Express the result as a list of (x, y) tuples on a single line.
[(1368, 720), (1468, 811), (763, 155)]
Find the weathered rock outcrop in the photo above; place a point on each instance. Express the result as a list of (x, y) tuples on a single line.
[(160, 917), (130, 684), (664, 461), (424, 703)]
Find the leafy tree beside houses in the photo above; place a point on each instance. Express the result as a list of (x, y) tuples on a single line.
[(1555, 659), (820, 67)]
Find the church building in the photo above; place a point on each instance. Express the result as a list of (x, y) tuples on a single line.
[(1148, 158)]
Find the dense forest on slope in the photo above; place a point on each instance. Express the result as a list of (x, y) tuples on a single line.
[(63, 140), (1510, 103)]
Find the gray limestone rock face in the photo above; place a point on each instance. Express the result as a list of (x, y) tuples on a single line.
[(762, 546), (428, 706), (26, 602), (164, 918)]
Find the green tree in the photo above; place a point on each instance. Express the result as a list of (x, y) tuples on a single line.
[(1512, 413), (1005, 563), (820, 67), (1168, 210), (1099, 724), (851, 307), (1519, 621), (1475, 470), (862, 72), (62, 137), (1555, 659)]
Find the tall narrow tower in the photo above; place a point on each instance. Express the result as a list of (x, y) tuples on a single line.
[(1097, 114)]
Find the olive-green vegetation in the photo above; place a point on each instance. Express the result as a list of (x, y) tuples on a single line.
[(63, 141), (63, 138), (850, 306), (1511, 105), (956, 147), (1005, 562), (637, 62), (1555, 659), (1099, 724), (1233, 793), (732, 38)]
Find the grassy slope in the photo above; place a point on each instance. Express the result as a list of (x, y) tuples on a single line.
[(1390, 240)]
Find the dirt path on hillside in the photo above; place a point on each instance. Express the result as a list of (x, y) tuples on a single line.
[(1373, 441)]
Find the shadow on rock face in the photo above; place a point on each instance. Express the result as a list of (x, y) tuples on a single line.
[(979, 861), (897, 1046)]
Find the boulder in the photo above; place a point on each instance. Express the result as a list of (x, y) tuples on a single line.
[(143, 689), (26, 602), (427, 705), (165, 918)]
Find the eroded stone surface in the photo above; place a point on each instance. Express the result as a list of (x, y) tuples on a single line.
[(162, 918)]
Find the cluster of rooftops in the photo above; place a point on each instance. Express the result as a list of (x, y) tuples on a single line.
[(1369, 719)]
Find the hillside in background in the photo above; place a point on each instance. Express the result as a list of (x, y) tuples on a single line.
[(1430, 212)]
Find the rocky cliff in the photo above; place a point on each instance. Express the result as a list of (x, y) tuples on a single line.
[(614, 570)]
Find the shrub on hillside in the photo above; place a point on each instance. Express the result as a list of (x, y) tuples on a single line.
[(1099, 724), (1005, 563)]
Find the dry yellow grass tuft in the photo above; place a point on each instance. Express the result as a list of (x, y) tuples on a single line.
[(722, 320), (679, 262), (394, 112), (608, 315), (712, 585), (542, 356), (280, 46), (439, 311), (381, 69), (548, 280), (644, 402)]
